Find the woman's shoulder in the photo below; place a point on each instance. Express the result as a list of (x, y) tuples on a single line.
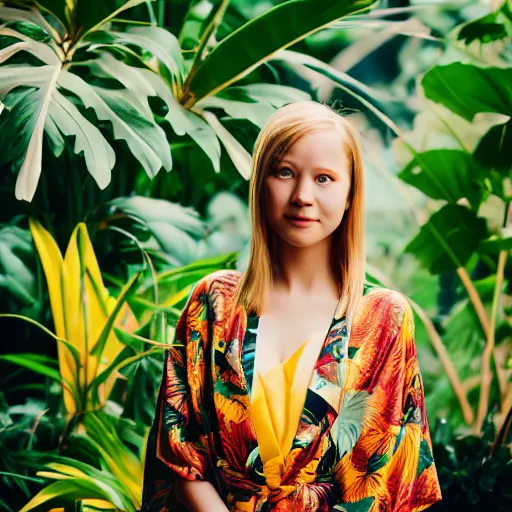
[(220, 284), (379, 300), (223, 279)]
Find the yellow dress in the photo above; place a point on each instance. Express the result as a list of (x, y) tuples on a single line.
[(277, 402)]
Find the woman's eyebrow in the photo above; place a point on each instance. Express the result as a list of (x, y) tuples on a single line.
[(319, 168)]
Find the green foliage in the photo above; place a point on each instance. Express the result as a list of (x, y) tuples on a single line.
[(18, 281), (87, 65), (474, 471)]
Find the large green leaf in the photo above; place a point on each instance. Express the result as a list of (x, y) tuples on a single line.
[(239, 156), (144, 84), (254, 43), (35, 106), (176, 228), (254, 102), (161, 43), (467, 89), (184, 121), (27, 121), (144, 138), (99, 155), (494, 151), (257, 112), (361, 92), (275, 94), (17, 259), (448, 239), (486, 29), (33, 15), (447, 174)]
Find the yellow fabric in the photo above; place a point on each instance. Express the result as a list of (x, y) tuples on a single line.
[(277, 402)]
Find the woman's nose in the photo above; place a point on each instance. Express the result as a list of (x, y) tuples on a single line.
[(303, 192)]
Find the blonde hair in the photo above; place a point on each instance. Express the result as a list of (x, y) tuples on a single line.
[(283, 129)]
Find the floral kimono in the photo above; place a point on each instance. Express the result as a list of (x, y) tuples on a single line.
[(362, 442)]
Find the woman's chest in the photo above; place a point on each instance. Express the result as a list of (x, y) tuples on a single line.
[(277, 337)]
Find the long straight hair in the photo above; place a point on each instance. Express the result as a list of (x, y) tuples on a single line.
[(282, 130)]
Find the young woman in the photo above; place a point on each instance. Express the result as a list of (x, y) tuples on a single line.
[(296, 386)]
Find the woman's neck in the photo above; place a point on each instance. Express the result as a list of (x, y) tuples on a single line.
[(305, 270)]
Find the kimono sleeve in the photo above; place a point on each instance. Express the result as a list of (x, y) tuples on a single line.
[(391, 467), (412, 476), (178, 441)]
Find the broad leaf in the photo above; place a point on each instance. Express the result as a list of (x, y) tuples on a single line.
[(274, 94), (485, 29), (145, 140), (239, 156), (17, 258), (468, 90), (362, 93), (32, 16), (254, 43), (494, 151), (99, 155), (29, 118), (256, 112), (448, 239), (446, 174), (175, 227), (495, 243), (161, 43), (183, 121)]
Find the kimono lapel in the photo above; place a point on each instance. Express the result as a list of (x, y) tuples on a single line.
[(324, 381), (322, 402), (323, 399)]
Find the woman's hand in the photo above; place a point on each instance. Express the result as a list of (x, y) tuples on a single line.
[(199, 496)]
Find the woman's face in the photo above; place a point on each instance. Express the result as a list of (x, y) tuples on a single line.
[(311, 181)]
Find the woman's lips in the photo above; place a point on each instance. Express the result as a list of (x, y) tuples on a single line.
[(301, 222)]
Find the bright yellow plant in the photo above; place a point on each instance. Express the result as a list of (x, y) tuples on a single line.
[(84, 314)]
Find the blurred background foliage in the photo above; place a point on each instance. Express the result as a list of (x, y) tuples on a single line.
[(126, 130)]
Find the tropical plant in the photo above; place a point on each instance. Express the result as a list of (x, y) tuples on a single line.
[(84, 314), (23, 428), (470, 232), (18, 276), (474, 470), (79, 53), (111, 479)]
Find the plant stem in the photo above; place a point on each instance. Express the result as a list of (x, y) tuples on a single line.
[(475, 299), (187, 99), (447, 363), (485, 387)]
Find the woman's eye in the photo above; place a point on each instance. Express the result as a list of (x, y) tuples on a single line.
[(325, 176), (283, 170)]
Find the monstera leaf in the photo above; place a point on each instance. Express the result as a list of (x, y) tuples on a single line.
[(90, 69), (51, 99)]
